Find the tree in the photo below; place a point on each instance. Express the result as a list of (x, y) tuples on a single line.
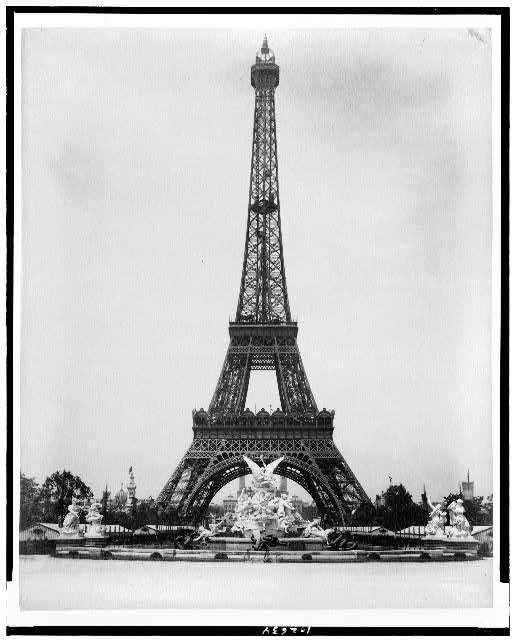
[(400, 511), (488, 512), (215, 509), (122, 518), (30, 502), (365, 515), (57, 492), (105, 504), (145, 512)]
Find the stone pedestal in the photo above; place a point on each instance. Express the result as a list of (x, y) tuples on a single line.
[(81, 541), (465, 545)]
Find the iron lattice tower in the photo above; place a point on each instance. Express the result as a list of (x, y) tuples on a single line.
[(263, 336)]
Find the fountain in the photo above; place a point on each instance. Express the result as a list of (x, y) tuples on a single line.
[(264, 511), (265, 518)]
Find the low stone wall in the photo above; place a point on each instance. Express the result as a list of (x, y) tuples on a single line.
[(467, 545), (241, 554), (293, 544)]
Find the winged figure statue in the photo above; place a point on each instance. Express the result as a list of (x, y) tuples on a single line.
[(263, 477)]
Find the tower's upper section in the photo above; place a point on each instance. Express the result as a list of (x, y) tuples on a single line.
[(263, 290), (265, 73)]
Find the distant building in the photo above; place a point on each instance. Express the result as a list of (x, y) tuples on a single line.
[(379, 501), (131, 487), (125, 499), (229, 504), (423, 499), (155, 529), (377, 531), (120, 499), (414, 530), (467, 489), (51, 531), (242, 485), (40, 531)]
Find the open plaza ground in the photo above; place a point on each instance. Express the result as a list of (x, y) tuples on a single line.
[(48, 583)]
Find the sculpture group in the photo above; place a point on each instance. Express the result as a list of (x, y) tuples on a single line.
[(459, 525), (71, 525), (264, 514)]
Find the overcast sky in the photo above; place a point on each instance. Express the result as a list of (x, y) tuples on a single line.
[(136, 155)]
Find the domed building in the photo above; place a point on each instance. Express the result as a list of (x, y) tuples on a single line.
[(229, 504), (125, 499), (120, 499)]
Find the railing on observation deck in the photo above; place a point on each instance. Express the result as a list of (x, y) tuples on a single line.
[(263, 418)]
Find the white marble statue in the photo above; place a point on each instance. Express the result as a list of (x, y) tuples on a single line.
[(436, 522), (94, 519), (237, 526), (265, 510), (71, 526), (314, 529), (289, 523), (460, 525), (284, 506), (222, 525), (204, 533), (263, 477), (288, 517)]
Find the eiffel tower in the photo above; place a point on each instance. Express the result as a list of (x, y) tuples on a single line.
[(263, 336)]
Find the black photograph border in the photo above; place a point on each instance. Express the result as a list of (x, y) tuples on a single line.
[(159, 630)]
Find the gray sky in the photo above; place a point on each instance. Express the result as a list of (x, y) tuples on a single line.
[(136, 153)]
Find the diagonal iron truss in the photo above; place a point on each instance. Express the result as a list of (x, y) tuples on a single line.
[(263, 352), (209, 464)]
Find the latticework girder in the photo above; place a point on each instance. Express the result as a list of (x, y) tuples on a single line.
[(257, 352), (262, 337), (263, 291)]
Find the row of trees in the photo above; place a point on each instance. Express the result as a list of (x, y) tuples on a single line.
[(49, 503), (397, 512), (400, 511)]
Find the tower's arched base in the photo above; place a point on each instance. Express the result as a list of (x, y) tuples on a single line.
[(210, 463)]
